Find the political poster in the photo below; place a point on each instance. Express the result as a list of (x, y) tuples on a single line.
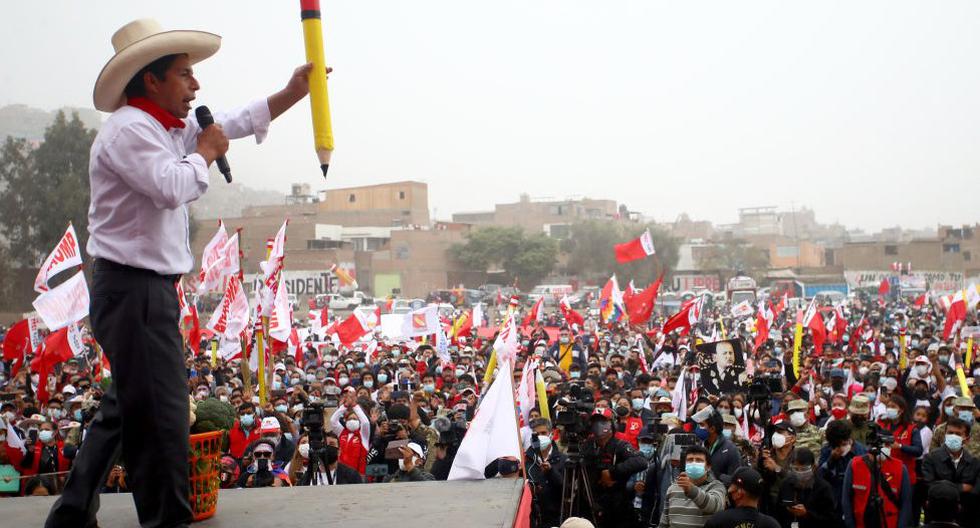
[(722, 366)]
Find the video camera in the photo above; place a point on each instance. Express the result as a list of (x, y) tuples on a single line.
[(576, 408), (450, 432), (312, 423), (878, 437)]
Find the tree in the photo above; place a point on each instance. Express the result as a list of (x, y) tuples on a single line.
[(526, 259), (591, 255), (43, 189)]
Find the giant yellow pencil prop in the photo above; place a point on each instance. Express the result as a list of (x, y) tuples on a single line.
[(797, 342), (319, 102)]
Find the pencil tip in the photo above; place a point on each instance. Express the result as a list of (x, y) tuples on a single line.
[(324, 168)]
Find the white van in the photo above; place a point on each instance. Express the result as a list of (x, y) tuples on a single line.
[(552, 293)]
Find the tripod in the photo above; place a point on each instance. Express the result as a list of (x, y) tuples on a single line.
[(311, 477), (575, 479)]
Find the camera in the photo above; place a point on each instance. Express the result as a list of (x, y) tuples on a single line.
[(573, 418), (878, 438), (450, 432), (263, 476)]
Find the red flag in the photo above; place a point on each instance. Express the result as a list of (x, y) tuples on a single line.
[(351, 329), (883, 289), (640, 306), (571, 316), (763, 319), (194, 334), (324, 316), (687, 317), (921, 300), (536, 313), (778, 310), (635, 249), (16, 345), (57, 348)]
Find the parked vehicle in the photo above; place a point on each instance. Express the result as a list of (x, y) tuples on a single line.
[(335, 301), (741, 288), (551, 293)]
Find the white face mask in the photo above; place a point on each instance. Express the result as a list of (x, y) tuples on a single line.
[(778, 440), (922, 370), (738, 412), (304, 450), (797, 419), (544, 441), (353, 425)]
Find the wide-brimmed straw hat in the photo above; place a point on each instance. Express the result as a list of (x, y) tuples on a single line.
[(139, 43)]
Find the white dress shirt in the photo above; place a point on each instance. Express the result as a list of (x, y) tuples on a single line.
[(142, 178)]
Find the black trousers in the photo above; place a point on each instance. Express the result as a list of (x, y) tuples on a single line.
[(135, 318)]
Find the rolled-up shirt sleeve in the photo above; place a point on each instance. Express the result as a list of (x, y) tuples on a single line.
[(144, 164), (251, 119)]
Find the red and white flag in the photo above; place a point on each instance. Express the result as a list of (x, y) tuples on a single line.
[(64, 304), (955, 316), (66, 254), (271, 268), (506, 343), (640, 306), (281, 320), (688, 316), (493, 432), (353, 328), (921, 300), (571, 316), (536, 314), (635, 249), (59, 346), (814, 321), (231, 318), (209, 278), (421, 322)]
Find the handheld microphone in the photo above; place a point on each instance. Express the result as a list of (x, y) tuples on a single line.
[(204, 120)]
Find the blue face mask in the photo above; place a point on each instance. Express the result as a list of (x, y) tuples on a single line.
[(891, 414), (727, 433), (948, 410), (953, 442), (281, 408), (646, 450), (78, 415), (359, 364), (701, 433), (247, 420), (871, 396), (695, 470), (966, 416), (637, 403), (382, 378)]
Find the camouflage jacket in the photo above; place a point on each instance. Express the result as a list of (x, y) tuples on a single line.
[(972, 445), (810, 437)]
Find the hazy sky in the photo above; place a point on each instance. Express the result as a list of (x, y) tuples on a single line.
[(866, 111)]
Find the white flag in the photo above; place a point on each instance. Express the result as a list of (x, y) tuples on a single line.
[(281, 320), (66, 303), (506, 344), (75, 340), (231, 317), (442, 347), (478, 315), (493, 432), (270, 267), (65, 255), (208, 279), (13, 440), (424, 321)]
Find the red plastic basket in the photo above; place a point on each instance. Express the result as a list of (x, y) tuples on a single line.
[(205, 463)]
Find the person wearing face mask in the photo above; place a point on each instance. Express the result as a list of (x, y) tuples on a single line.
[(244, 431), (46, 455), (566, 351), (807, 434), (271, 430), (953, 463), (335, 473), (774, 462), (610, 462), (410, 465), (725, 457), (965, 410), (805, 498), (907, 446), (733, 433), (354, 433), (630, 422), (545, 471), (646, 502), (744, 494), (859, 409), (696, 495), (893, 488)]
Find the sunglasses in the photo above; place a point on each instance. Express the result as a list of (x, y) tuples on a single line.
[(262, 454)]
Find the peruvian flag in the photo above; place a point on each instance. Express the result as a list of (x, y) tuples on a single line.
[(281, 320), (839, 323), (209, 278), (763, 319), (230, 319), (270, 268), (635, 249), (65, 255), (688, 316), (781, 305), (955, 316), (571, 316), (536, 313), (921, 300), (814, 321), (639, 307)]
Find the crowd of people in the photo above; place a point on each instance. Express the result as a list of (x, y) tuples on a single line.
[(875, 428)]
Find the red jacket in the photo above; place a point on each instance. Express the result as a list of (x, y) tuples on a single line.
[(903, 435), (891, 469), (63, 463), (353, 452), (238, 440)]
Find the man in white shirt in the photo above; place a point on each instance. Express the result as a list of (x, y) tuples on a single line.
[(147, 162)]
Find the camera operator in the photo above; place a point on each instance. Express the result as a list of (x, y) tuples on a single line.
[(610, 462), (877, 491), (452, 428), (260, 472), (545, 469)]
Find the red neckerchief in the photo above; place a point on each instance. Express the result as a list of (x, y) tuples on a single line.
[(157, 112)]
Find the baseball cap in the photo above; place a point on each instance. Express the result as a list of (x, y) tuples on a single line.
[(269, 425), (749, 480), (604, 412)]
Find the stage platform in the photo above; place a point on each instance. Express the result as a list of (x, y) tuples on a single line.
[(477, 504)]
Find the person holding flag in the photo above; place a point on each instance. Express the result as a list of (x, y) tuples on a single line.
[(148, 162)]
